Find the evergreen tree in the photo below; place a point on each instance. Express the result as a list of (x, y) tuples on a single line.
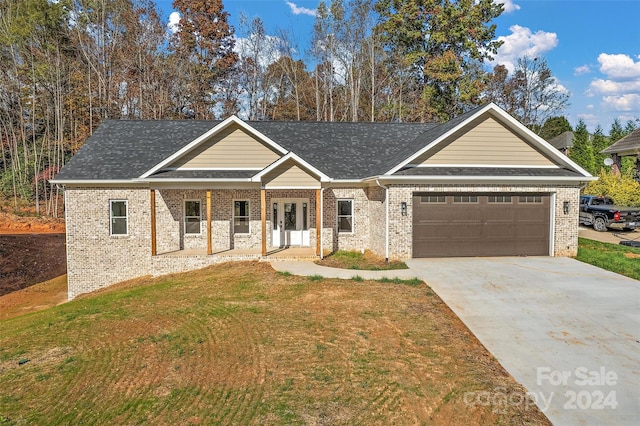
[(442, 41), (599, 142), (555, 126), (582, 150)]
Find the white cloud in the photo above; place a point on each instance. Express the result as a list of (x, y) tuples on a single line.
[(174, 19), (267, 51), (296, 10), (620, 89), (523, 42), (627, 102), (619, 66), (582, 70), (509, 5)]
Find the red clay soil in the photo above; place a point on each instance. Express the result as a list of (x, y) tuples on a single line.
[(13, 224)]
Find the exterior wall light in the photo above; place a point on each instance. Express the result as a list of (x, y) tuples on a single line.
[(565, 207), (403, 208)]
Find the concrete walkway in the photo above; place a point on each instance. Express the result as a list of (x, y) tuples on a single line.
[(568, 331), (310, 268)]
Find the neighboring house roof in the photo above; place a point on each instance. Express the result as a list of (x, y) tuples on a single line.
[(563, 141), (628, 145), (157, 150)]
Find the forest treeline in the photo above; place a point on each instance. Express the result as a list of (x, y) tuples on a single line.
[(67, 65)]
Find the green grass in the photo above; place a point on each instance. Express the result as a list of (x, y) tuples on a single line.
[(241, 344), (356, 260), (612, 257)]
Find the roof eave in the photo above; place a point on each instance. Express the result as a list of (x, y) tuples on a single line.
[(482, 179)]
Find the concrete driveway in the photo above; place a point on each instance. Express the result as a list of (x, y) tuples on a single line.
[(569, 332)]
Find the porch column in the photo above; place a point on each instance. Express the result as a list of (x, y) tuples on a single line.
[(154, 250), (263, 216), (209, 236), (318, 222)]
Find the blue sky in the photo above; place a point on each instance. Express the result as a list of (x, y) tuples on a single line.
[(591, 46)]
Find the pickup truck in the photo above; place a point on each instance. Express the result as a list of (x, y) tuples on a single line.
[(602, 213)]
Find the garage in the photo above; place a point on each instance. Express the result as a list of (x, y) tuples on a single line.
[(475, 224)]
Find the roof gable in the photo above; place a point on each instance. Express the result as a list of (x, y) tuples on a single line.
[(230, 148), (484, 142), (190, 153), (440, 137)]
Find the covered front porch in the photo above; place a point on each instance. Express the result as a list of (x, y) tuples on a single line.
[(236, 223)]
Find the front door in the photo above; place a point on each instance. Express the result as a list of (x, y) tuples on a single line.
[(291, 225)]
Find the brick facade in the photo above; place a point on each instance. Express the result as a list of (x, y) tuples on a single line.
[(97, 259), (565, 226)]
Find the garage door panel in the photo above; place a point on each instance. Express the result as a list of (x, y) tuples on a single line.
[(491, 225)]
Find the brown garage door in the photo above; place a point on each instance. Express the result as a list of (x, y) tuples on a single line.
[(449, 225)]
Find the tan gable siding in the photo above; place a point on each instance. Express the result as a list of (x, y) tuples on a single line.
[(289, 175), (488, 143), (231, 148)]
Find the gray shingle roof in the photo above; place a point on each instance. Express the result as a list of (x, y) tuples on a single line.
[(562, 141), (204, 174), (120, 150), (629, 145), (486, 171)]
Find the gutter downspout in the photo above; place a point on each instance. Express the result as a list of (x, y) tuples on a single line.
[(386, 224), (321, 221)]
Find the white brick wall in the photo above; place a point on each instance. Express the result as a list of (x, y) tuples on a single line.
[(96, 260)]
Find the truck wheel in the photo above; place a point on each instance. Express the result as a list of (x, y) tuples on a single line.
[(599, 224)]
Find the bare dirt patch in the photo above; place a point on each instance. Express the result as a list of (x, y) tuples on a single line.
[(14, 224), (34, 298), (27, 259), (241, 344)]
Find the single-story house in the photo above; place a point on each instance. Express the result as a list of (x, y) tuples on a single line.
[(628, 146), (156, 197)]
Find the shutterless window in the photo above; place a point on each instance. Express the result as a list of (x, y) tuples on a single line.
[(530, 199), (118, 217), (433, 199), (241, 217), (345, 215), (192, 217), (465, 199), (499, 199)]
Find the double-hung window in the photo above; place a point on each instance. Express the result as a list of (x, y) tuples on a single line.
[(345, 216), (118, 218), (241, 217), (192, 217)]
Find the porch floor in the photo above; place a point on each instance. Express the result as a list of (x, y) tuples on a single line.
[(288, 253)]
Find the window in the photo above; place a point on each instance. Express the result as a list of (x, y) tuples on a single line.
[(305, 213), (465, 199), (433, 199), (499, 198), (192, 217), (118, 217), (241, 217), (274, 218), (530, 199), (345, 215)]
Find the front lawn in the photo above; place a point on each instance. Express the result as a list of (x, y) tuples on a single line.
[(366, 261), (612, 257), (238, 343)]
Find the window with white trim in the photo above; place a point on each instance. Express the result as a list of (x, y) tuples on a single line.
[(118, 218), (345, 216), (192, 217), (241, 217)]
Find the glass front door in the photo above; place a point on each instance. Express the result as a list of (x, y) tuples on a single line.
[(291, 225)]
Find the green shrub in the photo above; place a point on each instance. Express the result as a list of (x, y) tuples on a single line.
[(624, 190)]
